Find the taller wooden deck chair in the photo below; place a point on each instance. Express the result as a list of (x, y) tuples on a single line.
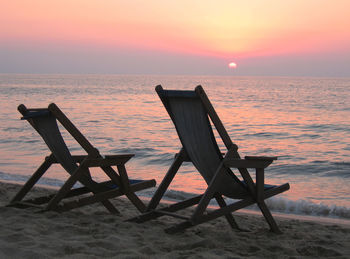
[(44, 122), (190, 112)]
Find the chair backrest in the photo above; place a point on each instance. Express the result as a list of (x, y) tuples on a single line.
[(44, 121), (46, 125), (193, 127)]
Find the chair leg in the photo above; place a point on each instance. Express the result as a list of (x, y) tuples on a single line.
[(209, 194), (67, 186), (166, 181), (123, 183), (128, 193), (110, 207), (269, 218), (136, 201), (153, 214), (33, 179), (229, 217)]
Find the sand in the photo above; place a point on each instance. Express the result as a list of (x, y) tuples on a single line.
[(91, 232)]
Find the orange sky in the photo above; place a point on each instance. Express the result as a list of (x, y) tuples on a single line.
[(223, 29)]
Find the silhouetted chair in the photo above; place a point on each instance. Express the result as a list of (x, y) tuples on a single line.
[(44, 122), (190, 112)]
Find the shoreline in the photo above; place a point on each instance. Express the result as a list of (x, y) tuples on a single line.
[(281, 215), (92, 232)]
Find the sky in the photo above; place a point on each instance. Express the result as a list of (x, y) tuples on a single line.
[(263, 37)]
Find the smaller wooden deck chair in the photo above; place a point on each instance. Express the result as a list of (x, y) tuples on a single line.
[(190, 112), (44, 122)]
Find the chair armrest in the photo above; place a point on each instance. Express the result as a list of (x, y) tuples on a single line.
[(76, 158), (109, 160), (247, 163), (261, 157), (119, 156)]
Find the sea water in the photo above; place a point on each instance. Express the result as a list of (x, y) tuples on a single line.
[(303, 121)]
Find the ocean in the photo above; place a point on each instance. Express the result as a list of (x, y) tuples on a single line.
[(303, 121)]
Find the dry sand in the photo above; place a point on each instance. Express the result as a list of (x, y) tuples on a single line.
[(91, 232)]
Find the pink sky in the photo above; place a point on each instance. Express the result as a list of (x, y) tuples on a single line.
[(312, 37)]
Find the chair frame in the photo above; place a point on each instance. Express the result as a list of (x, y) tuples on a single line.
[(100, 191), (256, 191)]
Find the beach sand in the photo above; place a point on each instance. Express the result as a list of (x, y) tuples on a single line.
[(91, 232)]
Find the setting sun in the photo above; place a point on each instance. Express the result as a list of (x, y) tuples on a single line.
[(232, 65)]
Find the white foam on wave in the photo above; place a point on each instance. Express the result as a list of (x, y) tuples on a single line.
[(304, 207)]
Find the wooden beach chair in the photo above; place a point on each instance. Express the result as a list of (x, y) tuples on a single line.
[(68, 196), (190, 112)]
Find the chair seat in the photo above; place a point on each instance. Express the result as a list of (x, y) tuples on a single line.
[(269, 186), (266, 186), (112, 185)]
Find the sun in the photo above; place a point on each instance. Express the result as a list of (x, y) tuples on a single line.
[(232, 65)]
